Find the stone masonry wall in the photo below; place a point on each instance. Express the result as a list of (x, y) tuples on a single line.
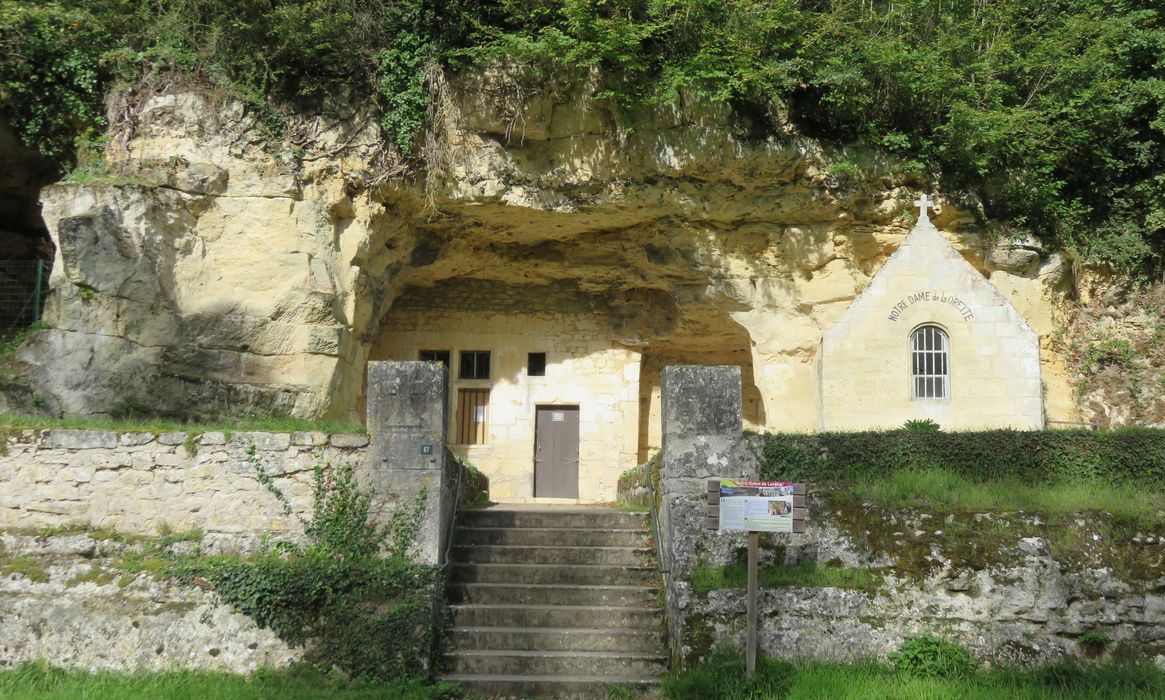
[(141, 482), (1025, 603), (73, 505), (72, 605)]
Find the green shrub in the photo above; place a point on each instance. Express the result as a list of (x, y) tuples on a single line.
[(1132, 456), (930, 657), (50, 87), (921, 425), (1115, 352), (1094, 640), (351, 595)]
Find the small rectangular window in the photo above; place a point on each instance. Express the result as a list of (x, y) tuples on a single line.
[(472, 416), (441, 356), (536, 364), (474, 364)]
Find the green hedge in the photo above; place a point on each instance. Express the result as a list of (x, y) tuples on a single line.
[(1132, 455)]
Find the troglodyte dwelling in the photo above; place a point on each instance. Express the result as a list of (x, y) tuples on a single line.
[(548, 405)]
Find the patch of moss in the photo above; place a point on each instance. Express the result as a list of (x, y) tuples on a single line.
[(919, 542), (698, 639), (172, 607), (93, 575), (142, 564), (26, 566)]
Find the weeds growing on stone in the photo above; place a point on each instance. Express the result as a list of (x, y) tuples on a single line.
[(22, 565), (806, 573), (270, 424), (94, 575)]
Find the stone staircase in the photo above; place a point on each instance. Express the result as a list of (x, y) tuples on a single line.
[(554, 601)]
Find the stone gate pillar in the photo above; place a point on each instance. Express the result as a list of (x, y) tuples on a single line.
[(408, 409), (702, 439)]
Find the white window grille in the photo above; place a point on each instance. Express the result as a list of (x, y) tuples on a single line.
[(930, 363)]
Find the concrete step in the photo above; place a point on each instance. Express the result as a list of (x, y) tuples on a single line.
[(553, 594), (556, 639), (564, 574), (558, 687), (565, 663), (591, 518), (554, 602), (522, 554), (585, 616), (553, 536)]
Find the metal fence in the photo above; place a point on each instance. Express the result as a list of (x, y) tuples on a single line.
[(23, 286)]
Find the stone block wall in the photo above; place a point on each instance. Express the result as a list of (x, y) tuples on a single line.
[(73, 606), (77, 506), (701, 439), (141, 482)]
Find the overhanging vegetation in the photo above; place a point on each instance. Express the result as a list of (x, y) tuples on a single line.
[(1050, 114)]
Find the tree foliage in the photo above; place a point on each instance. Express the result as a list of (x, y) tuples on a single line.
[(1050, 111)]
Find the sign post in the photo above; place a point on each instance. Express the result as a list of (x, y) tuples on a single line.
[(755, 507)]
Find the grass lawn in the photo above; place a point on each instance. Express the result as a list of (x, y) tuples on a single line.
[(723, 677), (943, 488), (38, 682)]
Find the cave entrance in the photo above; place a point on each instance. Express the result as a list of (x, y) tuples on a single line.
[(513, 349), (26, 251)]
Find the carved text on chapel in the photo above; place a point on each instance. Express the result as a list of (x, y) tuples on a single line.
[(940, 297)]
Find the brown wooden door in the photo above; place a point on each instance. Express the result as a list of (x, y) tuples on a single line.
[(556, 452)]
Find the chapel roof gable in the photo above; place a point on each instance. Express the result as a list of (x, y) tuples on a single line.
[(931, 263)]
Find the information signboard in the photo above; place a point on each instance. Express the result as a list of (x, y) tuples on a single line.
[(756, 506)]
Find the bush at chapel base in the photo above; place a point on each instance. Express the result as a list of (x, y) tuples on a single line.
[(1128, 456)]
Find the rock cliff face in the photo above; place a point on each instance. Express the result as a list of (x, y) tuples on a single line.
[(211, 274)]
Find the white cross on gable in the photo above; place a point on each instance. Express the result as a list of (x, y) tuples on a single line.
[(922, 203)]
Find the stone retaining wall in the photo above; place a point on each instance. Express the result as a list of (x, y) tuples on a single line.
[(1014, 588), (71, 605), (78, 508), (142, 482)]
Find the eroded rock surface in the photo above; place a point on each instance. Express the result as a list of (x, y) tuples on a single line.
[(72, 603)]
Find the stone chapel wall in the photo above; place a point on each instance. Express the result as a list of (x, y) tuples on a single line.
[(864, 363)]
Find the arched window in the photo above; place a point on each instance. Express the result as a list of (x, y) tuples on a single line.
[(930, 363)]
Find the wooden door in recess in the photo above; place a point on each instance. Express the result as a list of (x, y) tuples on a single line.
[(556, 452)]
